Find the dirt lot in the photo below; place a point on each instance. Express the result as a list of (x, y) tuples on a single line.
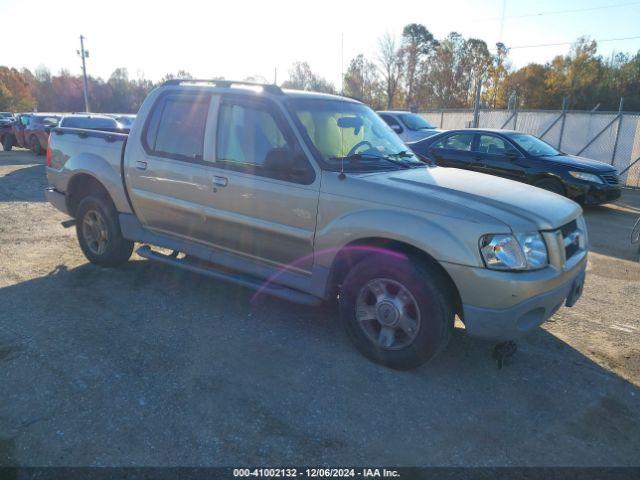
[(146, 365)]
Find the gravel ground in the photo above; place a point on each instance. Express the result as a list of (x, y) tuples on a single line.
[(148, 365)]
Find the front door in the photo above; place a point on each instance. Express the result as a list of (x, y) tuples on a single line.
[(500, 157), (262, 211)]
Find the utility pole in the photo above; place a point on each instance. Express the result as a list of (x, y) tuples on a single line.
[(84, 54), (476, 104)]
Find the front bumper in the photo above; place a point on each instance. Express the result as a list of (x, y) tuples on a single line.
[(511, 323), (503, 306), (591, 194), (57, 199)]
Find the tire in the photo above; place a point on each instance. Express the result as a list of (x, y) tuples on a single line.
[(99, 234), (7, 143), (34, 145), (424, 323), (552, 185)]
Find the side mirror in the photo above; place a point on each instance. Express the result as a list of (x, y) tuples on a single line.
[(396, 128), (47, 129), (513, 154)]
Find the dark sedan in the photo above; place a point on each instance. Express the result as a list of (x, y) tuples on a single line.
[(525, 158)]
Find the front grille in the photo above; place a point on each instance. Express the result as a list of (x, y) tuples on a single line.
[(611, 178), (570, 238)]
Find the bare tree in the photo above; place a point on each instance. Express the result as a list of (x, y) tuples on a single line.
[(362, 81), (390, 61), (302, 78)]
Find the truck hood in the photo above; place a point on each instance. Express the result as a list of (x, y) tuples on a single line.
[(579, 163), (519, 206)]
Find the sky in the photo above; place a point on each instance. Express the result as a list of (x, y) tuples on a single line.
[(241, 38)]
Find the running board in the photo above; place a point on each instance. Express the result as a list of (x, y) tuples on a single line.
[(254, 283)]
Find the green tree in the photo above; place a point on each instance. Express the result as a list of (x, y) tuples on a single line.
[(417, 44)]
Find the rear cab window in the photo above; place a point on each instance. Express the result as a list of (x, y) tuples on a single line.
[(176, 126)]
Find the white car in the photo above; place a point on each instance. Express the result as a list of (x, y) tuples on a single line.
[(410, 127)]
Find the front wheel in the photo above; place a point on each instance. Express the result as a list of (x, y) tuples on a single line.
[(396, 311), (99, 234)]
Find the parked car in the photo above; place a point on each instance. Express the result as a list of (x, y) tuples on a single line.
[(409, 126), (525, 158), (31, 130), (312, 197), (93, 122), (6, 118)]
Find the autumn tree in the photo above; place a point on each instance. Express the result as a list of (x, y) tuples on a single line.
[(15, 91)]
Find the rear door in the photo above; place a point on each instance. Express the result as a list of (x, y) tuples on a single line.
[(500, 157), (455, 151), (169, 183)]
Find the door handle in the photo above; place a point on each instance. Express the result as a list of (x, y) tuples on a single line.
[(140, 165), (220, 181)]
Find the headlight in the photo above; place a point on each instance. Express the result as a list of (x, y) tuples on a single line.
[(526, 251), (587, 177)]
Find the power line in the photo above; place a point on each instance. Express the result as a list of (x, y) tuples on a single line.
[(560, 12), (575, 10), (571, 43)]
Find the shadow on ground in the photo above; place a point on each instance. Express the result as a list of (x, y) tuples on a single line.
[(24, 185), (149, 365), (610, 226)]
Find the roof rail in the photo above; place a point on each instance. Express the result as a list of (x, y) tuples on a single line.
[(267, 87)]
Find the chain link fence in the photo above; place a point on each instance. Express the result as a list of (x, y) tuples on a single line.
[(611, 137)]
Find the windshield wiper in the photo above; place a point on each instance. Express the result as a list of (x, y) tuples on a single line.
[(363, 156)]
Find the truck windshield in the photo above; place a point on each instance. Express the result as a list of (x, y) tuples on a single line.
[(350, 134)]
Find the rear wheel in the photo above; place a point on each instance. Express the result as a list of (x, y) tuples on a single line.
[(99, 234), (34, 145), (551, 185), (396, 311), (7, 143)]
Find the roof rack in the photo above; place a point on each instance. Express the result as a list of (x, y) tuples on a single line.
[(267, 87)]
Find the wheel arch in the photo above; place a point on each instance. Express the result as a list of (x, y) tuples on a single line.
[(358, 250), (82, 185)]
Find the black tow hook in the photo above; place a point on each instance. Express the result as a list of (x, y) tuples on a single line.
[(69, 223), (503, 351)]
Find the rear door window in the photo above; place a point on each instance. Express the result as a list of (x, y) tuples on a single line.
[(176, 127)]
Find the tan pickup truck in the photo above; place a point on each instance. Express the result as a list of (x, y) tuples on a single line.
[(313, 198)]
